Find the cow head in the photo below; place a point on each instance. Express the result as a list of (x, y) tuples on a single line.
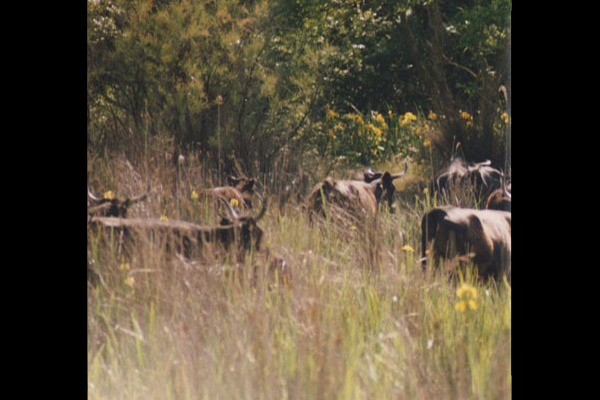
[(112, 206), (500, 199), (245, 186), (248, 231), (383, 182)]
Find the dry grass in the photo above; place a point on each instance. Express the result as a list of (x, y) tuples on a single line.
[(353, 316)]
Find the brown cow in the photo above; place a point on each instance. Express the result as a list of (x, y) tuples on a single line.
[(239, 234), (483, 234), (239, 189), (113, 207), (481, 176), (353, 198), (500, 199)]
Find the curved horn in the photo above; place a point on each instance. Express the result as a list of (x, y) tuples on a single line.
[(398, 175), (92, 196), (505, 191), (234, 215), (143, 196), (263, 209)]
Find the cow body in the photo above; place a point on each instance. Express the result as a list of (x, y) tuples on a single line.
[(188, 238), (484, 234), (481, 176), (352, 198)]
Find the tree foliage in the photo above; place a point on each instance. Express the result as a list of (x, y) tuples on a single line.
[(251, 80)]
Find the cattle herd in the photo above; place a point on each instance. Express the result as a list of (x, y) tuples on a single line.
[(450, 233)]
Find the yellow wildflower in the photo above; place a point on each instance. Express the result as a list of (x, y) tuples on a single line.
[(464, 304), (432, 115), (353, 228), (129, 281), (425, 191), (466, 116), (467, 291), (380, 119), (407, 118), (164, 218), (426, 142), (410, 116), (504, 117), (376, 131), (355, 118), (125, 266), (330, 114), (194, 195), (407, 248), (234, 202), (109, 195)]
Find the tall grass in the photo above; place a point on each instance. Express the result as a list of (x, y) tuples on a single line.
[(341, 325)]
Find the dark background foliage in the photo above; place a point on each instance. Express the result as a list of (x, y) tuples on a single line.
[(246, 83)]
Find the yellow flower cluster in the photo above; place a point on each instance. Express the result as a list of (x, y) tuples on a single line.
[(407, 118), (355, 118), (504, 117), (381, 121), (109, 195), (234, 202), (468, 118), (407, 248), (164, 218), (375, 130), (330, 114), (467, 294), (194, 195)]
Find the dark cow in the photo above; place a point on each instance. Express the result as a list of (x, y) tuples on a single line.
[(240, 189), (481, 176), (238, 234), (500, 199), (356, 198), (484, 236), (113, 207)]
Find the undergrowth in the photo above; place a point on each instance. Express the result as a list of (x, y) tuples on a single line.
[(355, 316)]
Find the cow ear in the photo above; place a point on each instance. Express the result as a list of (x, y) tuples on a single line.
[(386, 179), (327, 184), (232, 180), (378, 191)]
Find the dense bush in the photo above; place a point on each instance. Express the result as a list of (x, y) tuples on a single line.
[(250, 82)]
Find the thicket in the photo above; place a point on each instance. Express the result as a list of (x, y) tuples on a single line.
[(268, 83)]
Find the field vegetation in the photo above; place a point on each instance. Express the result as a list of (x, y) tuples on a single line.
[(352, 314), (182, 94)]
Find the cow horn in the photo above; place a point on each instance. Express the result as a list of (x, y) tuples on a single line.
[(92, 196), (141, 197), (263, 209), (233, 214), (398, 175), (505, 191)]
